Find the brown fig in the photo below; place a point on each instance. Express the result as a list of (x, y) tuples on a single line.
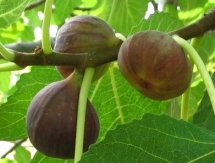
[(52, 116), (85, 34), (155, 65)]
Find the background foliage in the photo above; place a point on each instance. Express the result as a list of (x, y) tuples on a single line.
[(133, 127)]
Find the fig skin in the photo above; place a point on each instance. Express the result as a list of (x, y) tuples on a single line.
[(52, 117), (86, 34), (155, 65)]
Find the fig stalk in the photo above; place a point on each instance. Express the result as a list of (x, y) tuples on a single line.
[(46, 43), (82, 103), (9, 67), (185, 97), (200, 66), (6, 54)]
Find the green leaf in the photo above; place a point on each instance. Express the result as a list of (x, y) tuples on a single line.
[(205, 117), (196, 95), (117, 102), (191, 10), (22, 155), (102, 8), (32, 16), (154, 139), (88, 3), (64, 10), (12, 113), (39, 157), (122, 15), (159, 21), (189, 5), (5, 160), (4, 81), (206, 49), (10, 11)]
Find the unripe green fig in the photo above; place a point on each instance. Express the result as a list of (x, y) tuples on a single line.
[(52, 116), (86, 34), (155, 65)]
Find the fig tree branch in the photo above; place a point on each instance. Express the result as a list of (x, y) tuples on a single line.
[(197, 28), (57, 58), (26, 56)]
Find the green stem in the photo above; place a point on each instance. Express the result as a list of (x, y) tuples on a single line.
[(9, 56), (46, 43), (82, 103), (9, 67), (120, 36), (186, 95), (185, 104), (200, 66)]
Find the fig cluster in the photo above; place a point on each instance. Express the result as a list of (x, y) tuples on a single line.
[(151, 61), (155, 65)]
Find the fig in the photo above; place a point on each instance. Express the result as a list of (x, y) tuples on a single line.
[(155, 65), (52, 116), (85, 34)]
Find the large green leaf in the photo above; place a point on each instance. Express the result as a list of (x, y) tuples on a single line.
[(10, 11), (117, 102), (12, 113), (159, 21), (154, 139), (122, 15)]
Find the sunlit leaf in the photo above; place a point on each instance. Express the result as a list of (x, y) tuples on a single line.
[(191, 10), (206, 49), (10, 11), (22, 155), (5, 160)]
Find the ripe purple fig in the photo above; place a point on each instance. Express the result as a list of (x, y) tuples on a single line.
[(52, 116), (86, 34), (155, 65)]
